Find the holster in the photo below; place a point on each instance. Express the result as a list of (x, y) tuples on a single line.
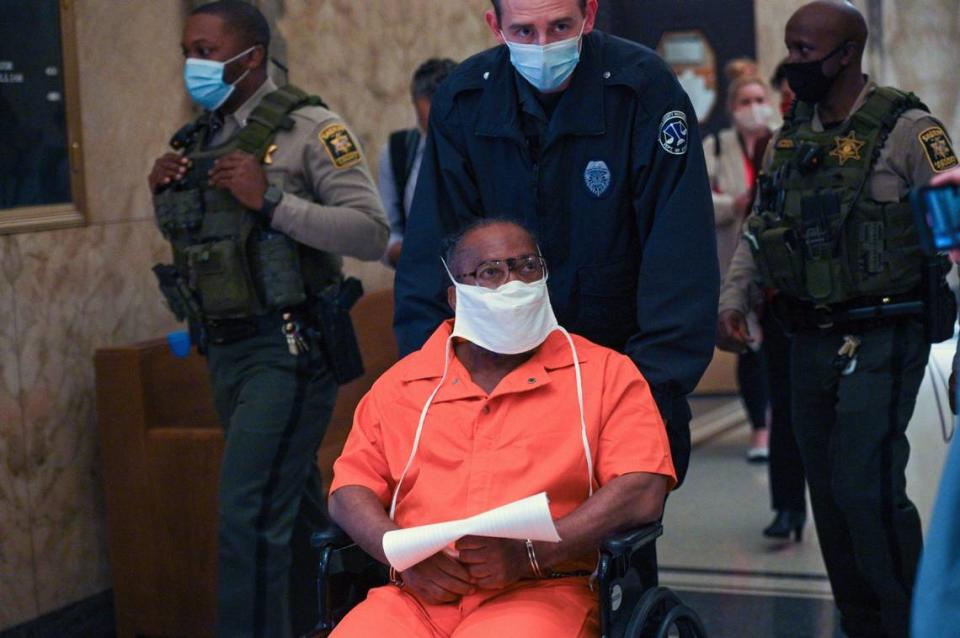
[(939, 303), (182, 303), (175, 291), (331, 311)]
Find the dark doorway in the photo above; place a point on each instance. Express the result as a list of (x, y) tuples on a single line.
[(706, 32)]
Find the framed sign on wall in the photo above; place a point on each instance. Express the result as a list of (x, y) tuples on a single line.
[(41, 163)]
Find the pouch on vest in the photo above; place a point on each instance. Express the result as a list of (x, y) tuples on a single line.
[(279, 265), (219, 276), (332, 312), (819, 215), (177, 211), (779, 253)]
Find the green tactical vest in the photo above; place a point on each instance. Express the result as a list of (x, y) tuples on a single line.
[(233, 264), (817, 234)]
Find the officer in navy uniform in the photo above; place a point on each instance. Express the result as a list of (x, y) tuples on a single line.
[(266, 191), (592, 143), (832, 232)]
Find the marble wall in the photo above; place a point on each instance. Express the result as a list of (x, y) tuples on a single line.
[(359, 56), (64, 293)]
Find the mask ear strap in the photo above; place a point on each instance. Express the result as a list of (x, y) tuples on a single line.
[(241, 54), (449, 274), (423, 416), (583, 422)]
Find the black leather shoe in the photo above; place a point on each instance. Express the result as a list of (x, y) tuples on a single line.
[(787, 521)]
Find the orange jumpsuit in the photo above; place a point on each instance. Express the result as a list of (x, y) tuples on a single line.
[(480, 451)]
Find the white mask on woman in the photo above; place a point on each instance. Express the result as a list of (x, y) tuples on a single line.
[(753, 118)]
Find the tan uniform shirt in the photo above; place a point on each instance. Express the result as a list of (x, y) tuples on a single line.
[(728, 180), (905, 162), (329, 199)]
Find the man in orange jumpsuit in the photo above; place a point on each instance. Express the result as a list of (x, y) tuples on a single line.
[(499, 404)]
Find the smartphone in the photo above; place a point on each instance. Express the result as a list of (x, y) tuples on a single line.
[(937, 215)]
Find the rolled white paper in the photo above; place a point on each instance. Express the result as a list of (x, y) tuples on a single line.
[(527, 518)]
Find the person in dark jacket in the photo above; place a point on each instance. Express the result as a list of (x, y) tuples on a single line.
[(401, 156), (589, 140)]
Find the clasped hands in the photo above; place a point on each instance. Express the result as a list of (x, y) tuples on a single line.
[(483, 563), (238, 172)]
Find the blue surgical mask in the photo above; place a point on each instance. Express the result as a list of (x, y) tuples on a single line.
[(548, 66), (204, 81)]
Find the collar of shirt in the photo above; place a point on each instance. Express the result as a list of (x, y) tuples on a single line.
[(817, 124), (579, 112), (238, 119), (427, 363)]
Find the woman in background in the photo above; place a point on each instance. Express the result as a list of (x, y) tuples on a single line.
[(730, 154), (734, 158)]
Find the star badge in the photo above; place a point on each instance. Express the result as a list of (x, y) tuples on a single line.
[(848, 148), (268, 156), (342, 143)]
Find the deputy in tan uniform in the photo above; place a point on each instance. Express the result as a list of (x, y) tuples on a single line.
[(831, 233), (262, 196)]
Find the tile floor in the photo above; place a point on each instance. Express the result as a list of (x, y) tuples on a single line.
[(713, 554)]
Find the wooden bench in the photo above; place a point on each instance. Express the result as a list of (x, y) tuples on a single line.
[(161, 446)]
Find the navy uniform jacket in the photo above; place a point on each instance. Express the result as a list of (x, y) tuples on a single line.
[(619, 200)]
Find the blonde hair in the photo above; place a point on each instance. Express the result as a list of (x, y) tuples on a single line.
[(739, 82), (740, 67)]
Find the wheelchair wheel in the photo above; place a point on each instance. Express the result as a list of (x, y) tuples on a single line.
[(684, 620), (660, 614)]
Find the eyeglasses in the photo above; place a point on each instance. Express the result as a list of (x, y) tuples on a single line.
[(496, 272)]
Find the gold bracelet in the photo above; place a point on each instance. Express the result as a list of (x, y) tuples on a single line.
[(396, 578), (532, 555)]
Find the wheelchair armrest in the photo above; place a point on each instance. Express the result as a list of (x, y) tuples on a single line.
[(625, 543), (331, 535)]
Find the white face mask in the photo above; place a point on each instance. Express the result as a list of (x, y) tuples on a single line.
[(753, 118), (514, 318), (548, 66)]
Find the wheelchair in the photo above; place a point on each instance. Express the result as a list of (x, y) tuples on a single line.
[(632, 605)]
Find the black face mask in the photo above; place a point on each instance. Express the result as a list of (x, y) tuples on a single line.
[(808, 80)]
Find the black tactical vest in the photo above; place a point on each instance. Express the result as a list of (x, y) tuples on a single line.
[(817, 234), (232, 264)]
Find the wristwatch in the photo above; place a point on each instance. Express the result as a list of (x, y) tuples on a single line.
[(271, 199)]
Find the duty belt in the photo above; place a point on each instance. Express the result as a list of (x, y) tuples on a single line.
[(226, 331), (858, 314)]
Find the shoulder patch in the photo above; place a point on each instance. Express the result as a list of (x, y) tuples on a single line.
[(339, 145), (673, 132), (936, 146)]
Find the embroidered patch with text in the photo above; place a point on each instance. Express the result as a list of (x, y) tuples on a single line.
[(341, 148), (673, 133), (936, 146)]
